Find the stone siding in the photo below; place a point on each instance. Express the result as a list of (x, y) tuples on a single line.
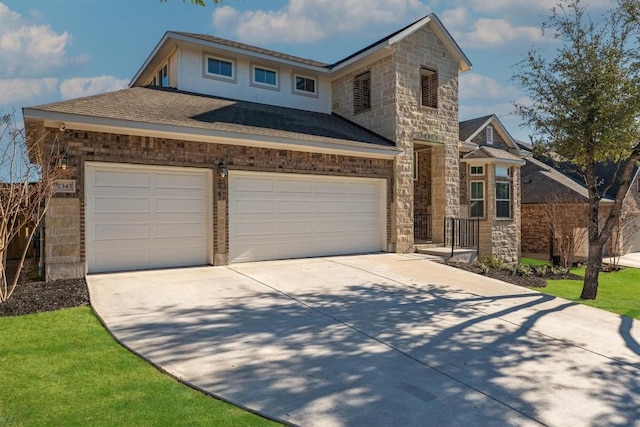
[(66, 217), (396, 112), (498, 140)]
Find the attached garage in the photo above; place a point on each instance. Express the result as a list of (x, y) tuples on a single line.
[(278, 216), (141, 217)]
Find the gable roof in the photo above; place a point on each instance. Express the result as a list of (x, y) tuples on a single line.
[(431, 19), (178, 114), (469, 129)]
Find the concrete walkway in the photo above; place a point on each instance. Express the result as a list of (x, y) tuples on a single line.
[(627, 260), (378, 340)]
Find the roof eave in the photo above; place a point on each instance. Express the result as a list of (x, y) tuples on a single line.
[(100, 124)]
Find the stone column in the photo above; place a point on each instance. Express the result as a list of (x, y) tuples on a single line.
[(62, 240)]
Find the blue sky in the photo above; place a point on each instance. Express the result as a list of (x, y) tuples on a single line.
[(60, 49)]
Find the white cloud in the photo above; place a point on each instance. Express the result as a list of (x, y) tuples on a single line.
[(22, 91), (304, 21), (85, 86), (28, 49), (498, 32), (477, 86)]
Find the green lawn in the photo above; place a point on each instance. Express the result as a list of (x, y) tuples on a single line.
[(62, 368), (618, 292)]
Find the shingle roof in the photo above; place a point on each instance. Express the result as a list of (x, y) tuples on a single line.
[(218, 40), (469, 127), (541, 183), (171, 107)]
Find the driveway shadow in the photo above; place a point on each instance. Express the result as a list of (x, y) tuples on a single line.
[(378, 353)]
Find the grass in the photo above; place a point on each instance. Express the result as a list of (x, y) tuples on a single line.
[(618, 291), (62, 368)]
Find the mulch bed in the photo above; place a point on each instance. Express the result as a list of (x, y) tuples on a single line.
[(530, 281), (34, 296)]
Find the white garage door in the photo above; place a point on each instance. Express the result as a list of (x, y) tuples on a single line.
[(140, 217), (279, 216)]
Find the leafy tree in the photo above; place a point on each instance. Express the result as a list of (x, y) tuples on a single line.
[(585, 106)]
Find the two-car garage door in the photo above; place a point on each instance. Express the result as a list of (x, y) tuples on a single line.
[(278, 216), (140, 217)]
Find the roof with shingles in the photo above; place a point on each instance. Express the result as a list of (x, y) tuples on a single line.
[(469, 127), (237, 45), (164, 106)]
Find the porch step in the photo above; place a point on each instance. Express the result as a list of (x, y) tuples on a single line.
[(459, 255)]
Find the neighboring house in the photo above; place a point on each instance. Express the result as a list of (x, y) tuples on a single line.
[(546, 182), (221, 152), (490, 185)]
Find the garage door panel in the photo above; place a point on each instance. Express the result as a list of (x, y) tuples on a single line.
[(313, 216), (285, 186), (179, 230), (182, 205), (295, 206), (125, 231), (146, 217), (252, 185), (121, 179), (120, 205), (180, 181)]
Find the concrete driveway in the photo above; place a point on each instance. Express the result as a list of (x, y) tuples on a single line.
[(631, 259), (378, 340)]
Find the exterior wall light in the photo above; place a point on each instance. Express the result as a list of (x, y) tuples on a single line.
[(222, 170)]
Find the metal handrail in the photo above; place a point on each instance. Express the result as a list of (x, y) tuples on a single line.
[(422, 226), (462, 233)]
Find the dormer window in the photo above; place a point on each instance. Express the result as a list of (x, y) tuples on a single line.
[(219, 67), (489, 133), (161, 77), (429, 87), (305, 85), (263, 76)]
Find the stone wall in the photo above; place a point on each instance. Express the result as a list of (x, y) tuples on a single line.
[(396, 112), (65, 220), (498, 140)]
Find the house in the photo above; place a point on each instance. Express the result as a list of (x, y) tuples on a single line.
[(546, 183), (220, 152), (490, 162)]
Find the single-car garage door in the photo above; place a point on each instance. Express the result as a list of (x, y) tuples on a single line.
[(140, 217), (278, 216)]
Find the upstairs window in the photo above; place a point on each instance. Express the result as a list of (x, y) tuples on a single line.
[(163, 76), (362, 92), (489, 133), (305, 85), (219, 67), (477, 170), (265, 76), (429, 87), (502, 172)]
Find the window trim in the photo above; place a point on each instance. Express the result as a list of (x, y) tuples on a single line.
[(432, 99), (297, 91), (365, 97), (476, 174), (509, 200), (205, 68), (471, 199), (255, 83)]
